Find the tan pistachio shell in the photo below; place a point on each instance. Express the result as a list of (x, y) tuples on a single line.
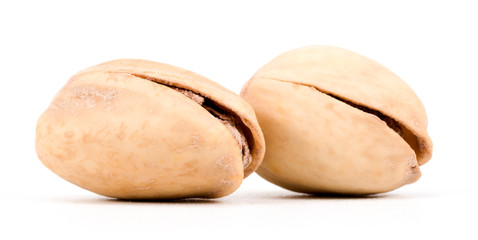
[(119, 129), (324, 113)]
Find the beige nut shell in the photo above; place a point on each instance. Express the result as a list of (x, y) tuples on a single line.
[(317, 141), (115, 131)]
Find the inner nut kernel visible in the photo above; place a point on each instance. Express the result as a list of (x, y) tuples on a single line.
[(337, 122), (136, 129)]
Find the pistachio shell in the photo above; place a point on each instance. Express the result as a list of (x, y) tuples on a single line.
[(337, 122), (115, 131)]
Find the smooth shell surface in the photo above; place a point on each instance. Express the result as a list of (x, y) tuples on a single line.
[(115, 131), (315, 106)]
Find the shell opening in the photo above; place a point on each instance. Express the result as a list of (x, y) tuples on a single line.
[(396, 126), (230, 120), (406, 134)]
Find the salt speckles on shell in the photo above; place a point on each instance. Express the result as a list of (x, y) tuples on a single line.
[(227, 183), (389, 163), (227, 164), (87, 97), (195, 141), (92, 95)]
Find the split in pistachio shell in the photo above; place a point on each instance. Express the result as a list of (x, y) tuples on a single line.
[(337, 122), (135, 129)]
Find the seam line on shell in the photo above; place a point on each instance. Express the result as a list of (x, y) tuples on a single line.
[(220, 113), (393, 124)]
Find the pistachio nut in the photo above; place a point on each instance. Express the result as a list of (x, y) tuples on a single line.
[(337, 122), (135, 129)]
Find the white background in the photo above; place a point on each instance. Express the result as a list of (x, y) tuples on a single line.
[(432, 45)]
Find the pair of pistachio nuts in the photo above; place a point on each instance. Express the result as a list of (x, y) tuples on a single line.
[(333, 121)]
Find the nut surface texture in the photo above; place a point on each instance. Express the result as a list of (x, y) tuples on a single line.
[(337, 122), (135, 129)]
